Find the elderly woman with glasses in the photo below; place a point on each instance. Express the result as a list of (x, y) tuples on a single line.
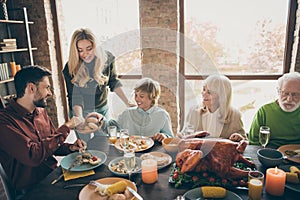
[(216, 115), (282, 115)]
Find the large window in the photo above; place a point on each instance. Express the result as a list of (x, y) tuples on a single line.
[(114, 22), (246, 40), (116, 26)]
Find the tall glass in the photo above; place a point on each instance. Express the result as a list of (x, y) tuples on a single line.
[(264, 135), (129, 161), (112, 133), (124, 138)]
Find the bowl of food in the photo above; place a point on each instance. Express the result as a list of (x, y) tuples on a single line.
[(171, 144), (269, 157)]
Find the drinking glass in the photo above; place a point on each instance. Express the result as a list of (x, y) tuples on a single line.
[(129, 161), (264, 135), (255, 185), (112, 132), (124, 138), (189, 130)]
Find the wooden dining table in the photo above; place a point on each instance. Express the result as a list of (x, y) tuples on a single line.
[(161, 189)]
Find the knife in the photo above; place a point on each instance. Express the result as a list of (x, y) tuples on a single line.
[(69, 169), (134, 193)]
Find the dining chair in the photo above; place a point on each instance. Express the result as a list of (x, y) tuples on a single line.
[(6, 191)]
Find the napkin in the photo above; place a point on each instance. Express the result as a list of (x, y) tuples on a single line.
[(73, 175)]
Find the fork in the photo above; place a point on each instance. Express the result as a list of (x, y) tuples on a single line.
[(94, 183)]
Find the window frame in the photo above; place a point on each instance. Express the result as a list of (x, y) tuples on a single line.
[(291, 23)]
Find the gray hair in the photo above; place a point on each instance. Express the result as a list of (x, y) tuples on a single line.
[(288, 77)]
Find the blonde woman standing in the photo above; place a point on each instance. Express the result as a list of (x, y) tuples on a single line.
[(88, 74)]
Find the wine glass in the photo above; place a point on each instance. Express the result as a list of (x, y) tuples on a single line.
[(129, 161), (264, 135), (124, 138)]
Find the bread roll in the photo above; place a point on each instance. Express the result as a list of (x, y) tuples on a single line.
[(92, 120), (213, 192), (294, 169), (118, 187), (292, 177), (93, 126)]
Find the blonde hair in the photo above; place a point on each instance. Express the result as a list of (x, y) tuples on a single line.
[(221, 85), (77, 69), (151, 87)]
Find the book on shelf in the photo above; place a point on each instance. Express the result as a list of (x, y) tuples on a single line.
[(8, 48), (8, 40), (4, 74), (6, 44)]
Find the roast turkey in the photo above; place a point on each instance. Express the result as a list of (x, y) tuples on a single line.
[(213, 155)]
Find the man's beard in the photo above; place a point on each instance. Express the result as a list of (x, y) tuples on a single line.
[(40, 103), (295, 106)]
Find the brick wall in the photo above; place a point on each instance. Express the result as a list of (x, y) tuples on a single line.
[(159, 26), (42, 37)]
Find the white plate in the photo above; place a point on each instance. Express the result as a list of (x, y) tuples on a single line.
[(71, 158), (196, 193), (162, 159), (88, 192), (118, 159), (147, 140)]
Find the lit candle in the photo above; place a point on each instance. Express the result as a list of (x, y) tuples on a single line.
[(149, 171), (255, 189), (275, 181)]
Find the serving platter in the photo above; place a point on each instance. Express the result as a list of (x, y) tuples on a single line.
[(68, 160), (162, 159), (88, 191), (196, 193), (138, 143), (291, 186), (290, 147)]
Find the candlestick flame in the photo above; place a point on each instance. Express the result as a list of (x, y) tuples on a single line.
[(276, 170)]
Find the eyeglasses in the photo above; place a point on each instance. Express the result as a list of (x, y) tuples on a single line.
[(291, 94)]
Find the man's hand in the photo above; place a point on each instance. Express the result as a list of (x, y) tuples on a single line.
[(79, 145), (159, 137)]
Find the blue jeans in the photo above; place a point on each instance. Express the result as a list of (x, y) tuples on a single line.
[(86, 137)]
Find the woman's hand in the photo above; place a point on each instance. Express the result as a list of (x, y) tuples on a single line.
[(96, 115), (159, 137), (79, 145)]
